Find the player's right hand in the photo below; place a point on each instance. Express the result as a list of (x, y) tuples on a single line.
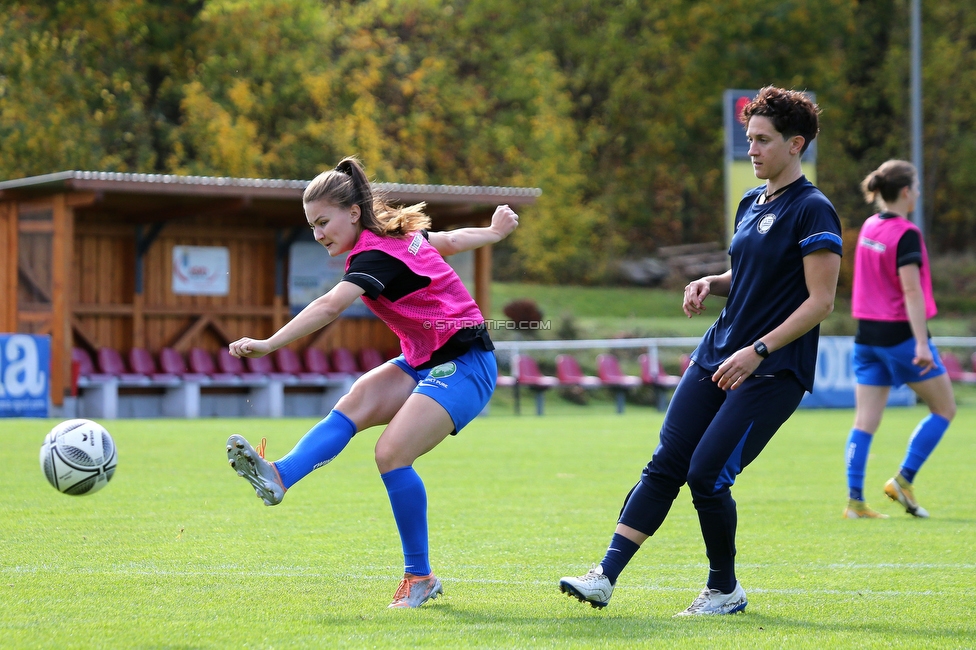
[(252, 348), (695, 294), (504, 221)]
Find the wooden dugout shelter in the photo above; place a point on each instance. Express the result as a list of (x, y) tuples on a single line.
[(87, 258)]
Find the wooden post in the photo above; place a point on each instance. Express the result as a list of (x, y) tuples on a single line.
[(482, 279), (62, 257), (278, 314), (8, 266), (138, 320)]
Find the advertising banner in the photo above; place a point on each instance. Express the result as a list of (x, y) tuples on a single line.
[(834, 383), (25, 375)]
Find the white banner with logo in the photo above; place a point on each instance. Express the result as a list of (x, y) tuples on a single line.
[(201, 270), (25, 375)]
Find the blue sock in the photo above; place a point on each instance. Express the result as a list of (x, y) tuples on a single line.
[(858, 446), (926, 436), (318, 447), (409, 500), (619, 553)]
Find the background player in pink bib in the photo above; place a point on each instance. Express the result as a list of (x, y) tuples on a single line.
[(442, 381), (892, 301)]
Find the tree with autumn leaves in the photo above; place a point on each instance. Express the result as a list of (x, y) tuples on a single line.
[(613, 108)]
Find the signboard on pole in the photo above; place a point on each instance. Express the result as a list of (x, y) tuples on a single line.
[(25, 375)]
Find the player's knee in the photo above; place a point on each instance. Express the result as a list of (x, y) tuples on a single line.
[(947, 411), (702, 486), (388, 457)]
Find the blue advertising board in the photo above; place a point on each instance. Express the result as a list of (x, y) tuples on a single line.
[(834, 383), (25, 375)]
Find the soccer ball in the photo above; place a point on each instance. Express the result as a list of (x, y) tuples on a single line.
[(78, 457)]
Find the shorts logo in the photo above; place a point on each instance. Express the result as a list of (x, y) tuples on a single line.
[(443, 370), (766, 223)]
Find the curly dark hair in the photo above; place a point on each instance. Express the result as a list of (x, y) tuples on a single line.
[(790, 111)]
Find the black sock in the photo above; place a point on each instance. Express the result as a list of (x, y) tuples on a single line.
[(619, 553)]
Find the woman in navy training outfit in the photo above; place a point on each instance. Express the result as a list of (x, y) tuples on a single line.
[(752, 366), (892, 301), (442, 381)]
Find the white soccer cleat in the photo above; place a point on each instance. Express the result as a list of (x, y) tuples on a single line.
[(414, 591), (593, 588), (713, 601), (251, 465)]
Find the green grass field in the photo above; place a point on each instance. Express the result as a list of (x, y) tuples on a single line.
[(178, 553)]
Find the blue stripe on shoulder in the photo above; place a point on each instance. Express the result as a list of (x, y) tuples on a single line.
[(822, 236)]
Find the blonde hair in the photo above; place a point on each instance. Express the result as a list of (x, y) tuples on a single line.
[(347, 185), (884, 183)]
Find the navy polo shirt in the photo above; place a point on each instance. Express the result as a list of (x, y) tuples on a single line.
[(768, 284)]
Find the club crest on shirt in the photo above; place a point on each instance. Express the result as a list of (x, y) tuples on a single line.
[(418, 239), (443, 370), (766, 223)]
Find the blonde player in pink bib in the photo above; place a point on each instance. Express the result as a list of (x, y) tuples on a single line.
[(441, 382), (892, 302)]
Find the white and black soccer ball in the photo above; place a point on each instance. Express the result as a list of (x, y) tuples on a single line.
[(78, 457)]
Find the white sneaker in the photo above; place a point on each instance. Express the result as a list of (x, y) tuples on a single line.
[(251, 465), (593, 588), (414, 591), (713, 601)]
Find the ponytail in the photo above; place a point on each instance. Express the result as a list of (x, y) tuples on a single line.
[(347, 185), (883, 184)]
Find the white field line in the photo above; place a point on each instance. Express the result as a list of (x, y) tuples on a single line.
[(301, 572)]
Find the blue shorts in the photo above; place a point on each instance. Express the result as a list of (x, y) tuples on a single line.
[(892, 366), (462, 386)]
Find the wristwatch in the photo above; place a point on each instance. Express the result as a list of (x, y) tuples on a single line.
[(761, 349)]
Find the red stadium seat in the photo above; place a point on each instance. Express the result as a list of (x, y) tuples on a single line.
[(87, 369), (265, 366), (317, 361), (954, 369), (200, 361), (111, 363), (142, 362), (345, 362), (529, 375), (231, 365), (83, 359), (569, 373), (172, 361), (608, 369), (370, 358), (660, 378), (289, 362)]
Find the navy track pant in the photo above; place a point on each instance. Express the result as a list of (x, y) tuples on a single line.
[(708, 437)]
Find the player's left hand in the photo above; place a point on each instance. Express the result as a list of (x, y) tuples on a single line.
[(252, 348), (504, 221), (737, 368)]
